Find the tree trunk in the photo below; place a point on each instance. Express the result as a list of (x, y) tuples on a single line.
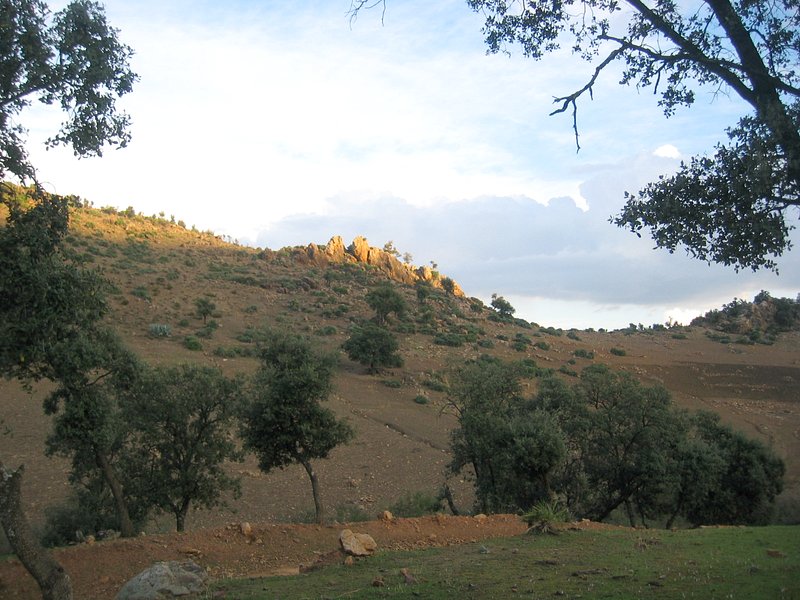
[(125, 524), (52, 579), (180, 515), (448, 496), (314, 490)]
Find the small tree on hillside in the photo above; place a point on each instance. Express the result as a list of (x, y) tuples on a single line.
[(424, 291), (502, 306), (283, 421), (449, 286), (205, 308), (374, 347), (181, 420), (385, 300)]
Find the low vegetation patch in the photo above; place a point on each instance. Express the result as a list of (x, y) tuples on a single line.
[(592, 563)]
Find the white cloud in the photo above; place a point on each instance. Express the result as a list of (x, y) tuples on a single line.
[(667, 151)]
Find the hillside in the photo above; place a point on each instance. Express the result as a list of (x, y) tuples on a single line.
[(158, 269)]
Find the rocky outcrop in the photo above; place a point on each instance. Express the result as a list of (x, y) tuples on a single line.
[(164, 580), (359, 251)]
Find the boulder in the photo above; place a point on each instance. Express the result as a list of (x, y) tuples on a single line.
[(165, 580), (334, 250), (357, 544), (359, 249)]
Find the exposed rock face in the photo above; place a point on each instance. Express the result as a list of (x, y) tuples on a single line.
[(359, 249), (361, 252), (165, 580), (335, 249), (357, 544)]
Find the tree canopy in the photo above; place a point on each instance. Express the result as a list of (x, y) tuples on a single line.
[(283, 421), (72, 58), (607, 443), (731, 207)]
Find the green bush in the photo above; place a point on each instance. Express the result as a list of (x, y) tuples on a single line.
[(571, 334), (191, 342), (486, 343), (519, 346), (618, 352), (327, 330), (435, 384), (454, 340), (420, 399), (141, 292), (542, 345), (251, 309), (583, 353), (392, 383)]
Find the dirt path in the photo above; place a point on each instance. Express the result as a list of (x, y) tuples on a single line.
[(99, 570)]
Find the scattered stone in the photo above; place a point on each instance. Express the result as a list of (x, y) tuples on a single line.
[(89, 539), (378, 582), (246, 529), (775, 554), (165, 580), (357, 544), (480, 518), (349, 561), (386, 516)]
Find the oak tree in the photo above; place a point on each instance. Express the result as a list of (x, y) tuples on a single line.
[(283, 420)]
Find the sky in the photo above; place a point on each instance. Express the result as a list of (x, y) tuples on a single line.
[(280, 123)]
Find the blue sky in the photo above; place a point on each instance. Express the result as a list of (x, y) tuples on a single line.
[(281, 123)]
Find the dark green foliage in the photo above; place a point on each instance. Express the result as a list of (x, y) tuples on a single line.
[(542, 345), (374, 347), (205, 308), (420, 399), (385, 300), (618, 352), (181, 420), (731, 208), (71, 58), (454, 340), (603, 444), (583, 353), (49, 306), (283, 421), (392, 383), (502, 306), (191, 342), (573, 335), (448, 285)]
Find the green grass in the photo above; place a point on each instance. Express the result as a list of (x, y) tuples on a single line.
[(700, 563)]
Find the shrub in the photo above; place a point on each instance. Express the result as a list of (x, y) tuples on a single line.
[(141, 292), (543, 516), (327, 330), (183, 323), (435, 384), (392, 383), (191, 342), (159, 330), (417, 504), (618, 352), (571, 334), (251, 309), (679, 336), (486, 343), (420, 399), (519, 346), (453, 340), (583, 353), (543, 345)]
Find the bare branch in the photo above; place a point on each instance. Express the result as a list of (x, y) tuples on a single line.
[(571, 99), (357, 5)]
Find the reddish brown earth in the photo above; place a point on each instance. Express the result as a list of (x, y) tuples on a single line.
[(99, 570)]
